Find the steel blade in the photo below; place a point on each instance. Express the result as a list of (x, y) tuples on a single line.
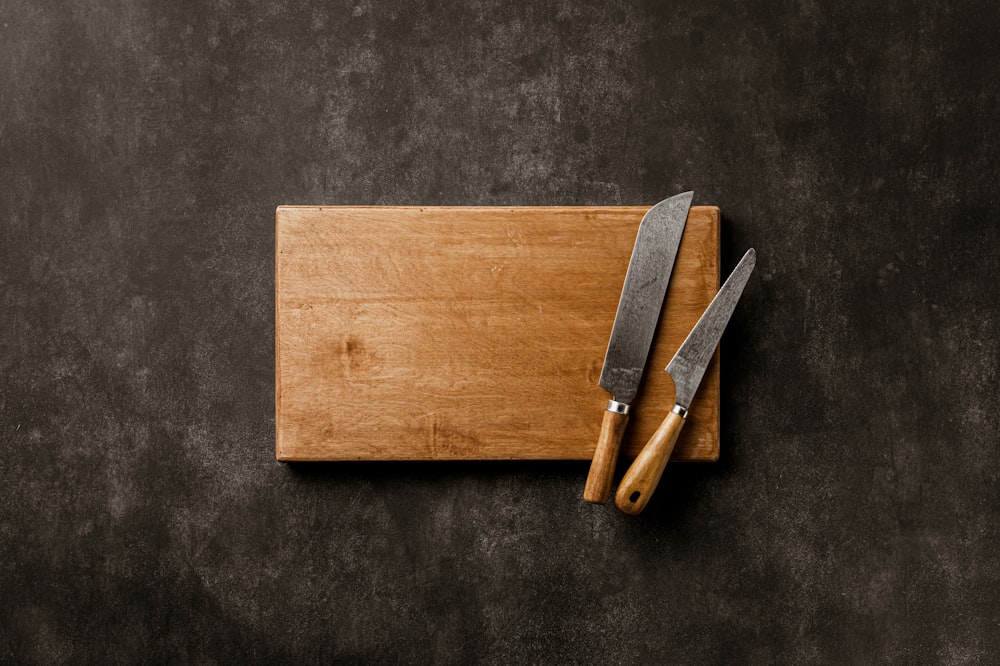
[(688, 365), (645, 285)]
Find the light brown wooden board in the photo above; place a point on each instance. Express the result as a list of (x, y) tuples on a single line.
[(472, 333)]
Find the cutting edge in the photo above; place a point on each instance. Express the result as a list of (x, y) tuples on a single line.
[(688, 365), (642, 295)]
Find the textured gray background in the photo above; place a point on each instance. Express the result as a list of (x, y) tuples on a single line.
[(143, 148)]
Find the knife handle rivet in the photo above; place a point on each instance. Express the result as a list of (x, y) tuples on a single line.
[(680, 411), (616, 407)]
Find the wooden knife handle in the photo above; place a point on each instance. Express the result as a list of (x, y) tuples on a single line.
[(640, 480), (602, 468)]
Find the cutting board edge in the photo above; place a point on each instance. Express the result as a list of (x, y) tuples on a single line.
[(279, 454), (713, 210), (292, 458)]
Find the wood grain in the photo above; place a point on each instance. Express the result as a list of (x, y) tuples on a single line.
[(472, 333), (602, 467), (642, 477)]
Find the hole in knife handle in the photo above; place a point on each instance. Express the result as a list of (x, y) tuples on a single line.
[(634, 497)]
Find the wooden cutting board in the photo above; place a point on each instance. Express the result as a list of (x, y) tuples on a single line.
[(472, 333)]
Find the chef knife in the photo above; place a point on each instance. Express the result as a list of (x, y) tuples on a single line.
[(639, 308), (686, 369)]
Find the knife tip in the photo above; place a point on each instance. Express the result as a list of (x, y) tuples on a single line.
[(689, 195), (748, 262)]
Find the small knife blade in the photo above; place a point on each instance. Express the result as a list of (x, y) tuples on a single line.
[(686, 368), (639, 306)]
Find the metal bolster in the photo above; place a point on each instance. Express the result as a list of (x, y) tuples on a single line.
[(617, 407), (680, 411)]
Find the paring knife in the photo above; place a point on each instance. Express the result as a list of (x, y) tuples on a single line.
[(639, 308), (686, 368)]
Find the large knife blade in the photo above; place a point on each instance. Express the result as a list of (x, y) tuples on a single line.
[(639, 308), (686, 368)]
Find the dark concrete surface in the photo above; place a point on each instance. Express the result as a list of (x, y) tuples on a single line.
[(853, 517)]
